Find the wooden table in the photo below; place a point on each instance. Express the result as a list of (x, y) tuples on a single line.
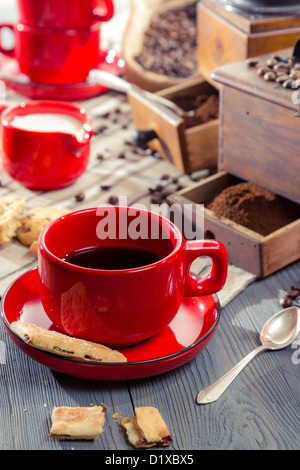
[(261, 410)]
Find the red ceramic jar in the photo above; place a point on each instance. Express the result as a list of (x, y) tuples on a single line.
[(45, 160)]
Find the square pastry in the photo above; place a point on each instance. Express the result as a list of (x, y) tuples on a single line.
[(147, 428), (76, 423)]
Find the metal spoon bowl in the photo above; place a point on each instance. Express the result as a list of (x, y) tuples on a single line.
[(277, 333)]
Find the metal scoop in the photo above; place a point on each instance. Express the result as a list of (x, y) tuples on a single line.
[(119, 84)]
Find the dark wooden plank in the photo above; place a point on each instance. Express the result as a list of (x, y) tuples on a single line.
[(259, 411), (261, 408), (29, 391)]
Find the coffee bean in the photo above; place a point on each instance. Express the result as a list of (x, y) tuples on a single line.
[(105, 187), (159, 187), (295, 74), (100, 130), (151, 190), (282, 78), (270, 76), (281, 68), (296, 84), (279, 59), (79, 197), (286, 301), (271, 62), (288, 83), (263, 70), (113, 200), (252, 63), (156, 198), (293, 293)]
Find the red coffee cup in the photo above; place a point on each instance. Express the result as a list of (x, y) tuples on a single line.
[(45, 144), (62, 14), (141, 274), (56, 57)]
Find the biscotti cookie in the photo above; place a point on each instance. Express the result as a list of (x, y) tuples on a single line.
[(147, 428), (34, 247), (74, 423), (63, 345), (35, 220), (12, 210)]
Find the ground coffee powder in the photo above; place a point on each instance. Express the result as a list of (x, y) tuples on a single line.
[(205, 107), (254, 207)]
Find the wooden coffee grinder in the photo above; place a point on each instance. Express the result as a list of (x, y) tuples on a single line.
[(234, 30)]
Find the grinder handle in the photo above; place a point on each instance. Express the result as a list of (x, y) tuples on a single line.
[(141, 138)]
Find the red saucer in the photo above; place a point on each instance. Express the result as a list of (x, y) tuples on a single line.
[(20, 83), (187, 335)]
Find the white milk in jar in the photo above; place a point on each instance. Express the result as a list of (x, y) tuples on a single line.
[(49, 122)]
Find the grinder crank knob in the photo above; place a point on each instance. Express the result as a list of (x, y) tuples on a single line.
[(141, 138)]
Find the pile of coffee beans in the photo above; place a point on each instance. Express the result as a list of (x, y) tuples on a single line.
[(170, 43), (284, 71)]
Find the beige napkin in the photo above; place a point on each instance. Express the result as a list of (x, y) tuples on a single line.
[(237, 279)]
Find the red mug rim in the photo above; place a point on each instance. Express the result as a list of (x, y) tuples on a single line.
[(44, 251), (50, 106), (94, 25)]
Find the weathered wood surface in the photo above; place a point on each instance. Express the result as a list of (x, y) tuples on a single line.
[(260, 411)]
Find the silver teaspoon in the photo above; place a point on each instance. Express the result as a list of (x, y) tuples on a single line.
[(279, 331)]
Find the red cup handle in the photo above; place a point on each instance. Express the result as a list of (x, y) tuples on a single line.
[(216, 279), (109, 10), (3, 50)]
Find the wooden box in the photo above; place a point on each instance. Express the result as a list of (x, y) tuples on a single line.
[(257, 254), (225, 36), (181, 140), (259, 142), (259, 133)]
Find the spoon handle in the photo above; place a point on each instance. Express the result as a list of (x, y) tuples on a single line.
[(215, 390), (119, 84)]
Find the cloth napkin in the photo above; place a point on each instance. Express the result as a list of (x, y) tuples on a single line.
[(237, 279)]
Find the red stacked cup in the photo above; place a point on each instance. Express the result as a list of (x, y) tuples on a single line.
[(58, 42)]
